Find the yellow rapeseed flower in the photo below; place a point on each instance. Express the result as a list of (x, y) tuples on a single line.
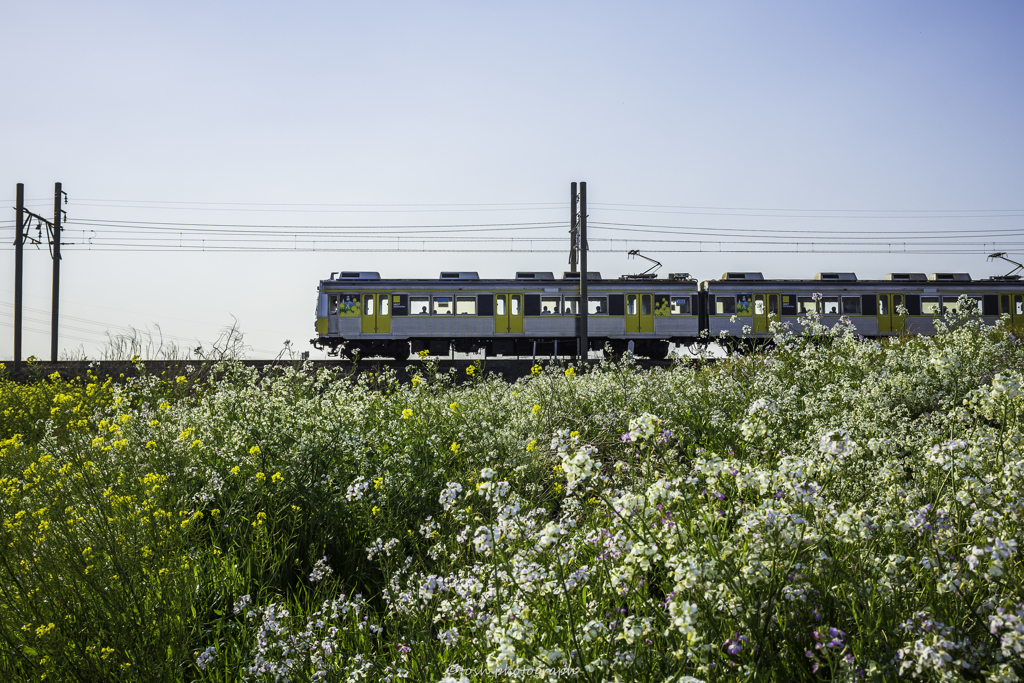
[(277, 478), (407, 413), (235, 470), (453, 406), (470, 371), (536, 370), (536, 409), (416, 381), (261, 477), (455, 447), (570, 372), (532, 446), (255, 450)]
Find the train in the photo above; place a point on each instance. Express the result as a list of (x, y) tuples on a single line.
[(536, 313)]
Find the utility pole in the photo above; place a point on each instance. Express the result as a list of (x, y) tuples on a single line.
[(57, 192), (573, 224), (19, 260), (584, 303)]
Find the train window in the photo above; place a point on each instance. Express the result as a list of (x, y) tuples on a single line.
[(631, 304), (645, 304), (681, 305), (550, 305), (788, 304), (465, 305), (725, 305), (368, 305), (897, 302), (883, 304), (499, 305), (773, 304), (930, 305), (806, 304), (743, 304), (513, 305), (332, 305), (851, 305), (442, 305), (951, 303), (759, 304), (419, 305), (990, 305), (485, 304), (1004, 303), (830, 305), (384, 301), (1018, 304), (571, 305), (597, 305)]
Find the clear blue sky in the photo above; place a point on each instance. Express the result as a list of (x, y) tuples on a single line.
[(802, 111)]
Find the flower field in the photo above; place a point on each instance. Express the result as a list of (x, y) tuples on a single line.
[(831, 509)]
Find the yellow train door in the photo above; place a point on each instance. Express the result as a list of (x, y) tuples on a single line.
[(383, 314), (889, 319), (632, 313), (369, 313), (760, 313), (376, 314), (647, 313), (508, 313), (515, 313)]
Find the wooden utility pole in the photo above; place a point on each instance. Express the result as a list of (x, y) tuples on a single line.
[(19, 262), (584, 303), (57, 192)]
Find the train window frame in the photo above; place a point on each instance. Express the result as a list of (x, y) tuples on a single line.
[(931, 305), (463, 301), (676, 309), (725, 305), (744, 304), (787, 304), (850, 305), (549, 300), (570, 305), (384, 304), (806, 304), (438, 299), (830, 305), (601, 308), (632, 304), (646, 304), (368, 304), (423, 301), (332, 304)]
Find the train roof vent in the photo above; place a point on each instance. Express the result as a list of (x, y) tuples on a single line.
[(950, 277), (681, 276), (906, 277), (742, 276), (591, 275), (530, 275), (458, 275), (841, 277), (357, 275)]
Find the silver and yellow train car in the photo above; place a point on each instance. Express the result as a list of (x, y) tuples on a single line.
[(900, 303), (532, 314)]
